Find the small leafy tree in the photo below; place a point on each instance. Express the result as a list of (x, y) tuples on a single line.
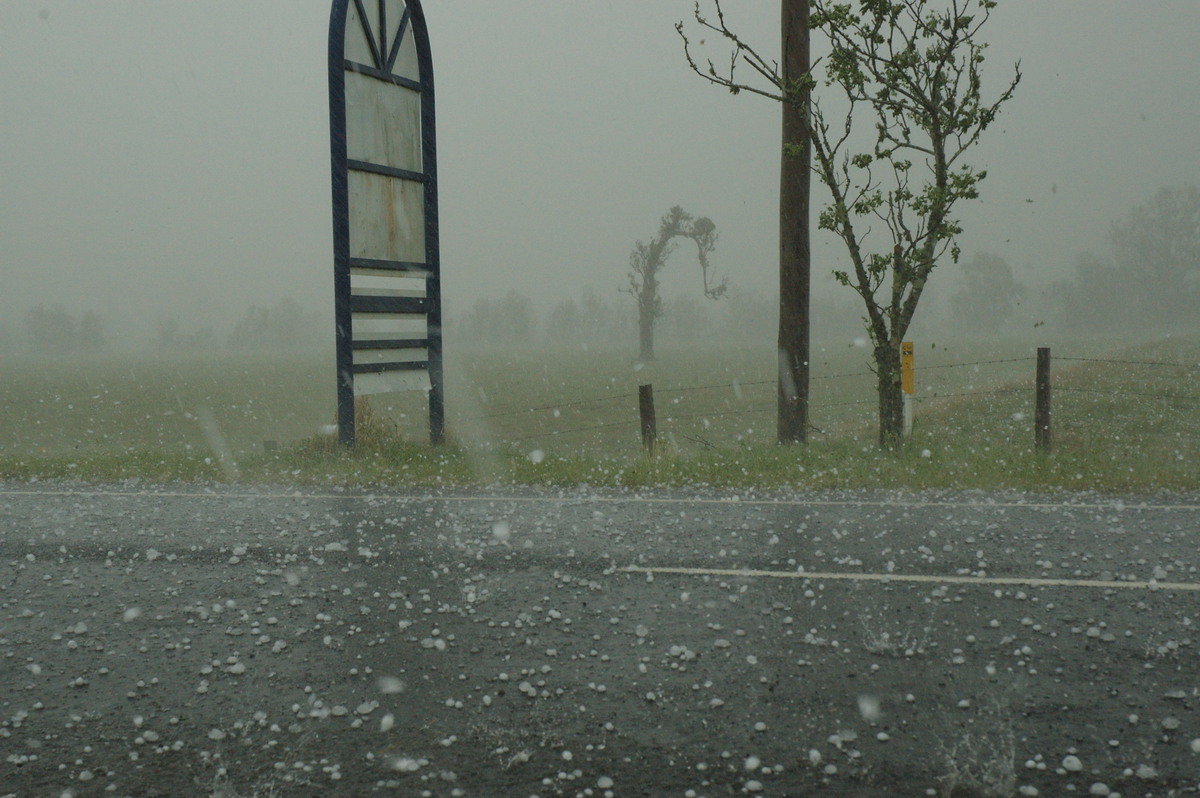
[(647, 260), (913, 67)]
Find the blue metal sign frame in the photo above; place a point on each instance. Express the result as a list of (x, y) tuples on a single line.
[(384, 43)]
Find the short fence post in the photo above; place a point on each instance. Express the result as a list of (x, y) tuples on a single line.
[(1041, 413), (646, 410)]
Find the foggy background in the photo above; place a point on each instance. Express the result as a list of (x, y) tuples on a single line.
[(164, 167)]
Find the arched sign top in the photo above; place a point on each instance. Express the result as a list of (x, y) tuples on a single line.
[(381, 36), (387, 296)]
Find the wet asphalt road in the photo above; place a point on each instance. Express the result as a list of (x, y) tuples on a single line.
[(245, 641)]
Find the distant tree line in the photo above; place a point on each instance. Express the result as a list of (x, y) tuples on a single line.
[(1148, 278), (171, 336), (1145, 280), (596, 319), (52, 329), (284, 325)]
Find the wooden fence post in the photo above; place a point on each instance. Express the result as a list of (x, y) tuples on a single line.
[(1041, 413), (646, 410)]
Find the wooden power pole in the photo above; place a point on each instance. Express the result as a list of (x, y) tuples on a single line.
[(795, 254)]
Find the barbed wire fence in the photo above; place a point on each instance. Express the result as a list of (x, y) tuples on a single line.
[(625, 403)]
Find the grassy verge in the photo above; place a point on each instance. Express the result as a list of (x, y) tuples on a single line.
[(1130, 427), (929, 464)]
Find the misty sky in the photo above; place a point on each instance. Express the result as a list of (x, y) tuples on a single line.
[(171, 158)]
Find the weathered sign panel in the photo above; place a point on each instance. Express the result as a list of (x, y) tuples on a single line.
[(387, 289)]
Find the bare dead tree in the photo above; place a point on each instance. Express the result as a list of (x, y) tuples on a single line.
[(648, 259)]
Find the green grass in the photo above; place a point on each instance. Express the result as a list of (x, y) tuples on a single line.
[(570, 418), (119, 404)]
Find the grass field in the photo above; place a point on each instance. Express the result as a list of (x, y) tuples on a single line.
[(1125, 418)]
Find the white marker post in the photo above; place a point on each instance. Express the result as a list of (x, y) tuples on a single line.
[(906, 384)]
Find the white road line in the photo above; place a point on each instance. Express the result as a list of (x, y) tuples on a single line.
[(942, 580), (663, 500)]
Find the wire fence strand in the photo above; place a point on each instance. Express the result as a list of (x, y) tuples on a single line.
[(969, 393), (738, 385), (1131, 362), (731, 385), (625, 423), (573, 403), (977, 363)]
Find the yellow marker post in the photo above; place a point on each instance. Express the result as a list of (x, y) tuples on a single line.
[(906, 367), (907, 383)]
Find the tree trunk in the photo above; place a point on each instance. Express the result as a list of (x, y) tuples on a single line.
[(891, 399), (794, 251), (645, 332)]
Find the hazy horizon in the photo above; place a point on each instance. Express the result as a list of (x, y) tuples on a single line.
[(167, 160)]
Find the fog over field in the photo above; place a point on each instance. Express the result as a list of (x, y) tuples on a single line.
[(170, 161), (588, 547)]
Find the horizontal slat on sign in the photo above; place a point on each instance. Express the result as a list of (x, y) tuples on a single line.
[(386, 292), (379, 74), (389, 304), (386, 321), (392, 343), (394, 284), (379, 368), (388, 284), (390, 171), (384, 326), (364, 265), (393, 358), (391, 382)]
